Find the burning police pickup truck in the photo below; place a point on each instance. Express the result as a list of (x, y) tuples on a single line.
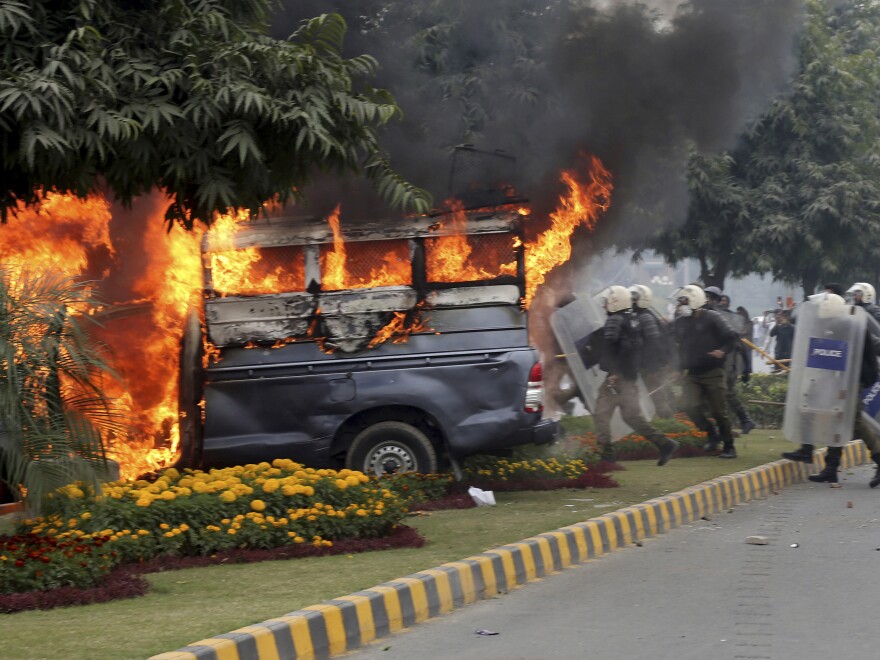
[(382, 349)]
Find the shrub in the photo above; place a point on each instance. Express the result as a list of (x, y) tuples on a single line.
[(29, 562), (769, 391), (418, 488)]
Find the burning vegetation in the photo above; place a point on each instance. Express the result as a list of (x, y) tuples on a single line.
[(149, 278)]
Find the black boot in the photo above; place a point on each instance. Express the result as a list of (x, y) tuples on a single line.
[(712, 441), (832, 462), (827, 476), (667, 449), (803, 454), (748, 425), (729, 452), (876, 480), (607, 453)]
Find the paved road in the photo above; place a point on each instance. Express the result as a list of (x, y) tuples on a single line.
[(699, 592)]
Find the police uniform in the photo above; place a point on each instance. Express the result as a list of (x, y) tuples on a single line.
[(703, 381), (621, 340)]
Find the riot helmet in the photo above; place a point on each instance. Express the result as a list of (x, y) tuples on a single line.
[(690, 296), (616, 298), (865, 291), (642, 296)]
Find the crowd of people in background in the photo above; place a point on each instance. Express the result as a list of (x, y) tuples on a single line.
[(703, 350)]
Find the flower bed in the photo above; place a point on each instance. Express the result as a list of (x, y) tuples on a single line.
[(251, 507), (501, 474), (125, 581), (32, 562), (635, 447)]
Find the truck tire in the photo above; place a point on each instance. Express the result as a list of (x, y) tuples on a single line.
[(391, 448)]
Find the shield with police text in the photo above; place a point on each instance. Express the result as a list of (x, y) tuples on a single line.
[(823, 386)]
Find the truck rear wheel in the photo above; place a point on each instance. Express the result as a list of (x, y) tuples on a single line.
[(391, 448)]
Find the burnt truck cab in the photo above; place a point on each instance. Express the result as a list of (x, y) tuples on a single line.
[(336, 371)]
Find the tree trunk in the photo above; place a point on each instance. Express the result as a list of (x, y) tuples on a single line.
[(809, 281)]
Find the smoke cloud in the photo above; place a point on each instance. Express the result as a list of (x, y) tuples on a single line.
[(638, 84)]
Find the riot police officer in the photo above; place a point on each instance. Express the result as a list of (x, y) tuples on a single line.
[(619, 359), (704, 339), (657, 348)]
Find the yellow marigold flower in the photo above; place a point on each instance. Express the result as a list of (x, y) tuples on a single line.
[(378, 512), (144, 502), (168, 495), (361, 512), (228, 496), (144, 532), (312, 518), (270, 485), (171, 473), (341, 484), (225, 521), (168, 535), (289, 491), (86, 515), (184, 527), (141, 483), (352, 480), (163, 525), (231, 531), (258, 505), (308, 490)]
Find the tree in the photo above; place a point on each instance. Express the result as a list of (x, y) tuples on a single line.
[(717, 221), (813, 162), (192, 97), (53, 417), (798, 196)]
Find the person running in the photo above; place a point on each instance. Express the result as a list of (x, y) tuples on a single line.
[(704, 339), (656, 349), (619, 359)]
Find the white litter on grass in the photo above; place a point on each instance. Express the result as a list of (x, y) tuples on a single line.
[(482, 497)]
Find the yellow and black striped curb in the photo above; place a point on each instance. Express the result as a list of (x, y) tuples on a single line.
[(345, 623)]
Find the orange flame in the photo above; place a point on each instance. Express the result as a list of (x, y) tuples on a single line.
[(451, 256), (334, 275), (251, 271), (155, 273), (359, 265), (582, 205)]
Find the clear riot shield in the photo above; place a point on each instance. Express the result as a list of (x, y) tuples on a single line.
[(574, 326), (823, 385)]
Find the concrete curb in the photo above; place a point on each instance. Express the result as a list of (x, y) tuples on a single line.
[(345, 623)]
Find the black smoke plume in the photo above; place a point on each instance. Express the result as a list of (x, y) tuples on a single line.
[(638, 84)]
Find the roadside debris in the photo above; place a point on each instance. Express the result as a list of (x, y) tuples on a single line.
[(757, 540), (483, 631), (849, 505), (795, 545), (482, 497)]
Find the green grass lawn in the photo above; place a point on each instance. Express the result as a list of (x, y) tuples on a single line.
[(187, 605)]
